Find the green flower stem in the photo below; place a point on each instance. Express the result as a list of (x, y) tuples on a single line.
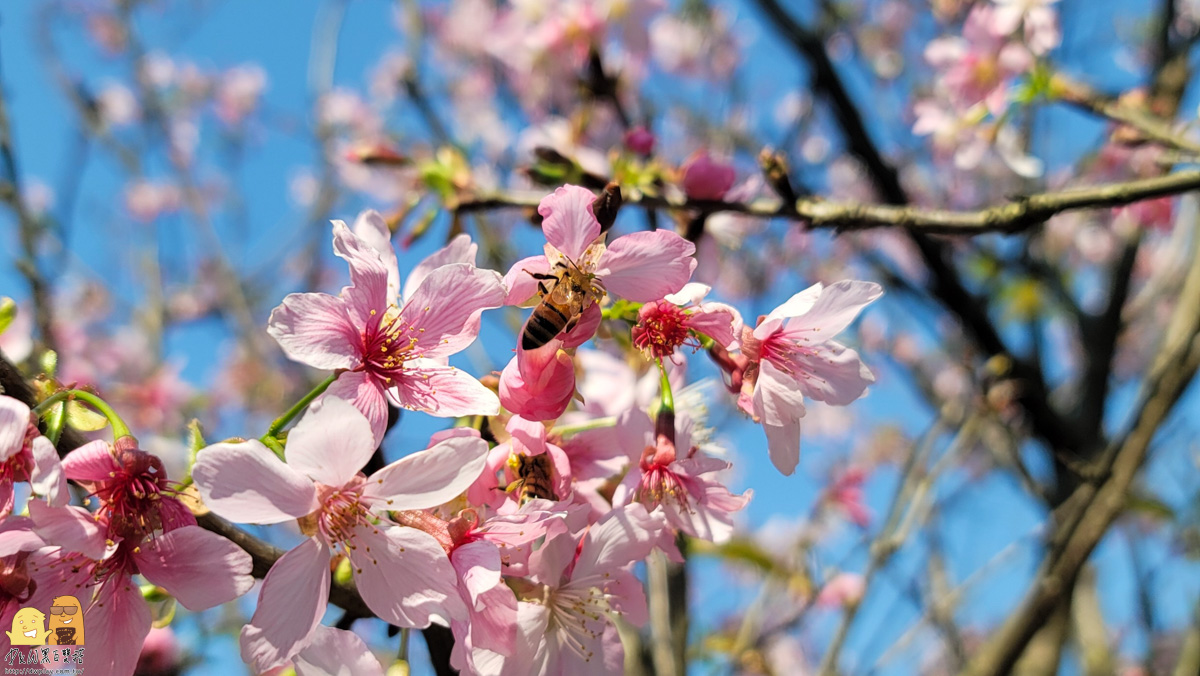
[(296, 409), (119, 428), (568, 430), (55, 420), (273, 444), (668, 399)]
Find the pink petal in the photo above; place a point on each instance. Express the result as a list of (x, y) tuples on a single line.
[(247, 483), (549, 563), (545, 399), (14, 421), (117, 623), (478, 567), (779, 404), (443, 391), (625, 536), (460, 250), (427, 589), (596, 454), (92, 461), (568, 221), (334, 652), (627, 596), (585, 327), (530, 434), (838, 305), (795, 306), (47, 477), (200, 569), (367, 394), (716, 321), (494, 621), (331, 442), (315, 329), (608, 385), (691, 294), (645, 266), (837, 375), (368, 288), (72, 528), (430, 477), (16, 535), (290, 605), (444, 312), (373, 230), (522, 287)]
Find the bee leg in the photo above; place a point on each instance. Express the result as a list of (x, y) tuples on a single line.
[(539, 275), (570, 324), (542, 288)]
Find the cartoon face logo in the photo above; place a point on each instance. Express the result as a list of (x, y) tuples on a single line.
[(28, 628), (66, 621)]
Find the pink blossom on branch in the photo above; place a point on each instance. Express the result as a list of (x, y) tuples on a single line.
[(26, 455), (792, 355), (678, 319), (681, 485), (641, 267), (563, 613), (322, 487), (140, 528), (386, 352)]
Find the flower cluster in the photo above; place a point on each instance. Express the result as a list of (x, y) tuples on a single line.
[(139, 526), (518, 528)]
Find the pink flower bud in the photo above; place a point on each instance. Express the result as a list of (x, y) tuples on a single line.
[(160, 653), (640, 141), (705, 178)]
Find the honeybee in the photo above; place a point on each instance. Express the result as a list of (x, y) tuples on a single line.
[(533, 477), (562, 304)]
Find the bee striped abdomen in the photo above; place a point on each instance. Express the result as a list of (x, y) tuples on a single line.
[(534, 475), (544, 324)]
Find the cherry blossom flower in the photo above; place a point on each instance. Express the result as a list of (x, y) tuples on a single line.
[(668, 324), (17, 541), (139, 529), (136, 497), (238, 92), (322, 487), (690, 499), (481, 553), (563, 612), (1039, 19), (641, 267), (979, 66), (200, 569), (792, 356), (845, 589), (386, 352), (846, 493), (25, 455), (526, 438)]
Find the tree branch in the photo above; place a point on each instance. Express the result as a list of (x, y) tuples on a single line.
[(1020, 214), (1093, 509)]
